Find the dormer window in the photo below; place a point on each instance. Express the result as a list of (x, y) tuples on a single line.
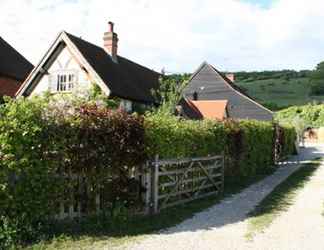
[(66, 81)]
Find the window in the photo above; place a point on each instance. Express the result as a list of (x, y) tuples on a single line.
[(126, 105), (65, 82)]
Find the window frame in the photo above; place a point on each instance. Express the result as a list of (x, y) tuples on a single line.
[(68, 84)]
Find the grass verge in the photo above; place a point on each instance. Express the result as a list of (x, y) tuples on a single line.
[(100, 233), (280, 199)]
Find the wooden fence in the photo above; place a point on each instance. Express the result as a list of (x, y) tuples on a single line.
[(167, 183), (173, 182)]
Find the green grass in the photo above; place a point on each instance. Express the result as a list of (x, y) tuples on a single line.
[(281, 92), (280, 199), (98, 233)]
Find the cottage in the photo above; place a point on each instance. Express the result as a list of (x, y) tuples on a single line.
[(74, 65), (209, 90), (14, 68)]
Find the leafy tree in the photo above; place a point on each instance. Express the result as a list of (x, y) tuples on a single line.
[(317, 80), (169, 94)]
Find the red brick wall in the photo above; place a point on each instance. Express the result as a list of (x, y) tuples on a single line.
[(8, 86)]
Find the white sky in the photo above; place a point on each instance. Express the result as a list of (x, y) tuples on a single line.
[(177, 34)]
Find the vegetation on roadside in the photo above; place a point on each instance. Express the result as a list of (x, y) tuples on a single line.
[(280, 199), (311, 115)]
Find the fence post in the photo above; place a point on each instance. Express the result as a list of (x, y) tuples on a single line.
[(223, 173), (155, 185), (146, 182)]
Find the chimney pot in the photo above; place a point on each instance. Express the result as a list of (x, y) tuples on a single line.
[(110, 26)]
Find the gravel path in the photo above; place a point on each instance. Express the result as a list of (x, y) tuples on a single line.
[(223, 226)]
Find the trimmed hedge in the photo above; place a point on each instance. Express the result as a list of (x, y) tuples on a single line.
[(287, 142), (253, 146), (248, 145), (171, 137)]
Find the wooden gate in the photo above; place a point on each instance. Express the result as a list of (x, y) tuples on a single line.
[(173, 182)]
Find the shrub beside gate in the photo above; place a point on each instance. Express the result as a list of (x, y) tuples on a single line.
[(73, 160)]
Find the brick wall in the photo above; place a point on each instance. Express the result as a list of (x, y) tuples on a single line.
[(8, 86)]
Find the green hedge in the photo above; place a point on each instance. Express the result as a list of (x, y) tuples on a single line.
[(248, 145), (288, 141), (251, 150), (170, 137)]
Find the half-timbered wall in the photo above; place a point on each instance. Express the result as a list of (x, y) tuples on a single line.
[(65, 63)]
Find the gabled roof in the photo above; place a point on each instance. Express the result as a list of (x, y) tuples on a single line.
[(125, 79), (12, 63), (210, 84), (215, 110)]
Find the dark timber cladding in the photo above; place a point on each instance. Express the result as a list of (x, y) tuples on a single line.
[(209, 84)]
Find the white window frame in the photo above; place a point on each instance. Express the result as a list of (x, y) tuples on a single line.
[(65, 80)]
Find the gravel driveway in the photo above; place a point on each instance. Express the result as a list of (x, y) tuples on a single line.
[(224, 225)]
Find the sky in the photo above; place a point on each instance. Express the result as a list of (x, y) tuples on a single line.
[(177, 35)]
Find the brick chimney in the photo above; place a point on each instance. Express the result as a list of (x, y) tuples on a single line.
[(111, 41), (230, 76)]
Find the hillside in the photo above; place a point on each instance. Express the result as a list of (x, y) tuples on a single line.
[(280, 93), (278, 89)]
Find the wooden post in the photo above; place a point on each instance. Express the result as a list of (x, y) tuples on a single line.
[(223, 172), (146, 182), (155, 185)]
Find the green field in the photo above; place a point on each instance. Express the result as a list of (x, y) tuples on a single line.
[(281, 92)]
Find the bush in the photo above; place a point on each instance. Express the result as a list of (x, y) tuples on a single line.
[(316, 88), (312, 115), (41, 142)]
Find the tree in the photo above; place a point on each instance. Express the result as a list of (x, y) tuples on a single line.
[(169, 94), (317, 80)]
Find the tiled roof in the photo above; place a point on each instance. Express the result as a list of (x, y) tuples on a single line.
[(215, 110), (125, 79)]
